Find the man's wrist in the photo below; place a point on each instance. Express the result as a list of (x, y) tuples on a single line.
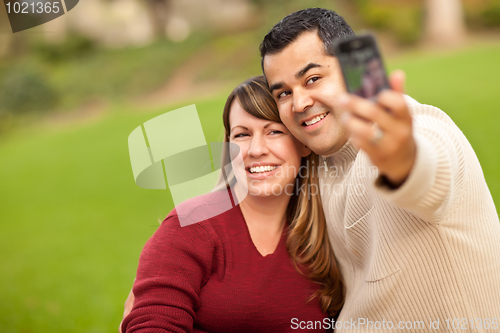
[(399, 175), (384, 181)]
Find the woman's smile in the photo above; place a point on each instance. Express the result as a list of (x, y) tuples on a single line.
[(262, 172)]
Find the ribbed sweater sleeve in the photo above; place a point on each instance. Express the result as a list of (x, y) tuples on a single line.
[(173, 266), (435, 182), (427, 252)]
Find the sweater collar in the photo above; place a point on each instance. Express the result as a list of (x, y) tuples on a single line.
[(347, 153)]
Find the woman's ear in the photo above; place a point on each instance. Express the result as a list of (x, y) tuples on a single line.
[(306, 151)]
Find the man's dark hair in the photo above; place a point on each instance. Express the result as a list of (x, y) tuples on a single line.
[(327, 23)]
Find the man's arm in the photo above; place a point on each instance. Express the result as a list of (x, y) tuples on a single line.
[(421, 160)]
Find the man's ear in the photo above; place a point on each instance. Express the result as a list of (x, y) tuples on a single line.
[(306, 151)]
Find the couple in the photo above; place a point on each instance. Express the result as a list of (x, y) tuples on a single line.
[(417, 246)]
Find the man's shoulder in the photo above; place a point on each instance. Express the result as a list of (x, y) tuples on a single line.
[(427, 114), (417, 108)]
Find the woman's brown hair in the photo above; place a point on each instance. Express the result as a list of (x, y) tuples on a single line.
[(307, 241)]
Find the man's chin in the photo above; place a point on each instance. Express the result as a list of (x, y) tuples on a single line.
[(318, 149), (321, 148)]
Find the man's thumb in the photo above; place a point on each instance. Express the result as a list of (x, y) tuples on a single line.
[(397, 80)]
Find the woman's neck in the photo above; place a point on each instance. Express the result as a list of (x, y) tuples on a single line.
[(265, 218), (268, 211)]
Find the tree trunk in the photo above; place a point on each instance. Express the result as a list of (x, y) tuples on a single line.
[(158, 11), (445, 21)]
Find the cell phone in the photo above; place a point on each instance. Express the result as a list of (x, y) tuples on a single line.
[(362, 66)]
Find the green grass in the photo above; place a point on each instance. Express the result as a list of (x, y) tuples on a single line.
[(74, 223), (465, 85)]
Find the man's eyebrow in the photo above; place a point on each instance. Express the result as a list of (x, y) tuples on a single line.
[(300, 74), (304, 70), (275, 86)]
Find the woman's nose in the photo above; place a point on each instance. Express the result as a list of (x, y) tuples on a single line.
[(258, 146)]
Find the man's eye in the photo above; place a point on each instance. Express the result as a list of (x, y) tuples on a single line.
[(313, 79), (283, 94)]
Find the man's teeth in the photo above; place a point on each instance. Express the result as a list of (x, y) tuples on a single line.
[(263, 168), (315, 120)]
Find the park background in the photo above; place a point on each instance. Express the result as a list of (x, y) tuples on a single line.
[(72, 220)]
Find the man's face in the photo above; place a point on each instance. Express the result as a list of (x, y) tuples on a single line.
[(306, 83)]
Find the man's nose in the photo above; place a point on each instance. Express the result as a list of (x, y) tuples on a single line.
[(258, 146), (301, 100)]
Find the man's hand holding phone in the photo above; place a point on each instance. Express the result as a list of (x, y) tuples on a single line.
[(376, 114), (383, 129)]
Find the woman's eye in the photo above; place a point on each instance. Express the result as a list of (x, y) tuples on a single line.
[(240, 135), (313, 79), (283, 94), (275, 132)]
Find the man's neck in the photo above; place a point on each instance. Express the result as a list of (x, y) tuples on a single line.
[(336, 148)]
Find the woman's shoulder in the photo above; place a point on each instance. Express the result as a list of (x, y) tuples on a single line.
[(206, 210), (208, 218), (193, 225), (185, 235)]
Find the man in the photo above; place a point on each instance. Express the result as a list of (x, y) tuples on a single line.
[(418, 246)]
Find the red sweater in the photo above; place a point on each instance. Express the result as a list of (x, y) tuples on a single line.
[(209, 277)]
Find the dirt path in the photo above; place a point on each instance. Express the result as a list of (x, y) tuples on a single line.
[(183, 84)]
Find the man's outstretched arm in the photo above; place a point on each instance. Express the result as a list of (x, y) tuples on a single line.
[(422, 159)]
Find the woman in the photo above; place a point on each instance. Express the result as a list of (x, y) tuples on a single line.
[(264, 264)]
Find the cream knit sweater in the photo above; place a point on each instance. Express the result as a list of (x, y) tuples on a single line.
[(427, 251)]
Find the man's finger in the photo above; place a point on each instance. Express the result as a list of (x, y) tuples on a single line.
[(368, 111), (397, 81), (395, 103), (362, 132)]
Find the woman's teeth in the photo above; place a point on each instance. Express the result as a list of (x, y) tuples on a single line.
[(315, 120), (263, 168)]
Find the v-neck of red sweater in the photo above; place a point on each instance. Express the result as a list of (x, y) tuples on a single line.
[(255, 251)]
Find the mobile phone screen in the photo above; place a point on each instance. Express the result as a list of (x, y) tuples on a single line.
[(362, 66)]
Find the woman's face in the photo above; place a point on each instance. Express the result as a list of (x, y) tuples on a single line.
[(271, 155)]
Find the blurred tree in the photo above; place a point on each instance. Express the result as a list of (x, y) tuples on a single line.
[(403, 20), (445, 21), (5, 33), (158, 11), (24, 89)]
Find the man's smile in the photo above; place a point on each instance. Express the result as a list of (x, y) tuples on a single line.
[(314, 121)]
